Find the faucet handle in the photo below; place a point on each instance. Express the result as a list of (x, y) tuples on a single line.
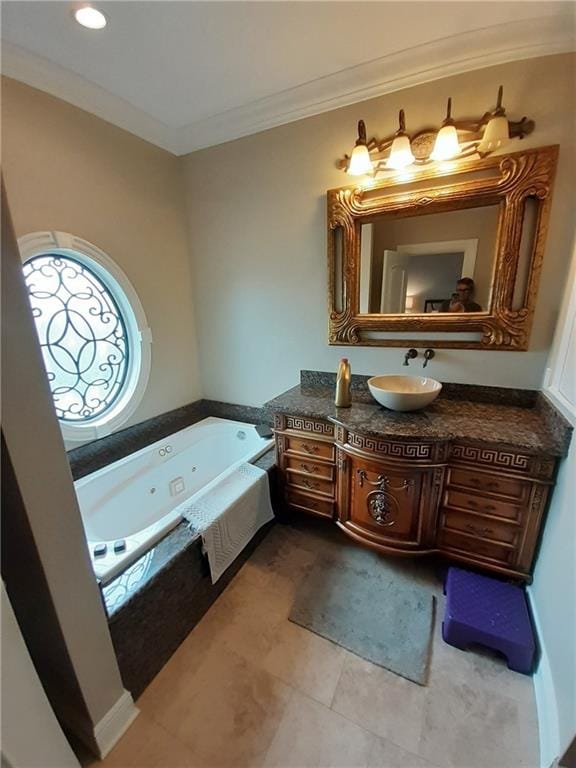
[(410, 355), (428, 355)]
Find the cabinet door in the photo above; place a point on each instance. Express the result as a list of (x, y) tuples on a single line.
[(389, 505)]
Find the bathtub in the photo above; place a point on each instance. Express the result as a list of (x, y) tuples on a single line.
[(136, 499)]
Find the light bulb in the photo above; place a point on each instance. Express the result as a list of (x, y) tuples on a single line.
[(360, 162), (400, 154), (91, 18), (446, 145), (497, 133)]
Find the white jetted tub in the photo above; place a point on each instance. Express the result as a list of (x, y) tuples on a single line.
[(134, 501)]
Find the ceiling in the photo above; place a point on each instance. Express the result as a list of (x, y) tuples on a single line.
[(186, 75)]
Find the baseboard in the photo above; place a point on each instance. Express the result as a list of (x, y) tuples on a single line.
[(115, 723), (545, 700)]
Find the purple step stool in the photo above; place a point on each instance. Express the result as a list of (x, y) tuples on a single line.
[(483, 610)]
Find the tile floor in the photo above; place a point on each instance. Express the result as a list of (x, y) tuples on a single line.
[(248, 688)]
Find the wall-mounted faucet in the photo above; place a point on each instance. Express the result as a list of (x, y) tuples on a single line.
[(428, 355), (410, 355)]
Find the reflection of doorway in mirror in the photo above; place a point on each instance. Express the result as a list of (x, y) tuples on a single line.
[(394, 283), (365, 266), (432, 271)]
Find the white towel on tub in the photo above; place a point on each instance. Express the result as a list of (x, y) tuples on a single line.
[(229, 512)]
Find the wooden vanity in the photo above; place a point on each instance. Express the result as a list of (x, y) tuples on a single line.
[(474, 503)]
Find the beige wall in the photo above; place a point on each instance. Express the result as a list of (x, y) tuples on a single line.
[(256, 213), (45, 560), (67, 170), (25, 708)]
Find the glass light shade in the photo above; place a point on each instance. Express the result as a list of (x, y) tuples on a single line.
[(496, 134), (360, 162), (90, 17), (400, 154), (446, 144)]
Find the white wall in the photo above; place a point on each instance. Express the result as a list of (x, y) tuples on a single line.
[(554, 589), (65, 169), (257, 223)]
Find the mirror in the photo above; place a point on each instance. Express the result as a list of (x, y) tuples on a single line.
[(447, 256), (440, 262)]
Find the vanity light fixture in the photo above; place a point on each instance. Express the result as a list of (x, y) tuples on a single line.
[(90, 17), (446, 145), (400, 152), (360, 162), (455, 139), (497, 132)]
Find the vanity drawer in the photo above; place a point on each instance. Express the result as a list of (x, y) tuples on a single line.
[(304, 446), (313, 484), (488, 483), (309, 467), (310, 504), (482, 527), (482, 505), (450, 541)]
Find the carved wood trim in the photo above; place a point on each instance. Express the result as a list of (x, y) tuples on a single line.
[(313, 426), (279, 420), (533, 467), (398, 449), (515, 178)]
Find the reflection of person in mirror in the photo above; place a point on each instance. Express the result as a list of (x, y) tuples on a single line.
[(461, 301)]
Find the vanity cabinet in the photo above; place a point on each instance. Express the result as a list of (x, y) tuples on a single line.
[(387, 493), (306, 455), (482, 506)]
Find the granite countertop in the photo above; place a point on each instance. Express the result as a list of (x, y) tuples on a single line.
[(448, 418)]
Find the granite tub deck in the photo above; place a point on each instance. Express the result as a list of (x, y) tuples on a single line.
[(518, 419)]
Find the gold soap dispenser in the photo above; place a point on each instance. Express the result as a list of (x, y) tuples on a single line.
[(343, 397)]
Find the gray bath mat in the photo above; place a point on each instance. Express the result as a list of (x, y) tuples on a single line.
[(371, 605)]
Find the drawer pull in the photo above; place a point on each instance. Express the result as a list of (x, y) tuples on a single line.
[(311, 484), (312, 470), (490, 486), (478, 531), (310, 448), (486, 507)]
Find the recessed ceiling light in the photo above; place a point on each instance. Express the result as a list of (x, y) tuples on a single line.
[(90, 17)]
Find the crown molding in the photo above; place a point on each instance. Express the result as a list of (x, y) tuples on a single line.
[(38, 72), (499, 44)]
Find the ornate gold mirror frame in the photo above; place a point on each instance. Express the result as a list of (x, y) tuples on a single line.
[(508, 181)]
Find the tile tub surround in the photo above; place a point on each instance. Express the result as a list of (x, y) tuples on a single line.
[(158, 616), (530, 428), (99, 453), (156, 602)]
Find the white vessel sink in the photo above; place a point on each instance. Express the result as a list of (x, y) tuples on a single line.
[(404, 393)]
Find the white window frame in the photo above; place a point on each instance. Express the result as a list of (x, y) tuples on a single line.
[(138, 332), (558, 381)]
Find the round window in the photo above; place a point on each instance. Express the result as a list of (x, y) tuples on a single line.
[(92, 333)]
